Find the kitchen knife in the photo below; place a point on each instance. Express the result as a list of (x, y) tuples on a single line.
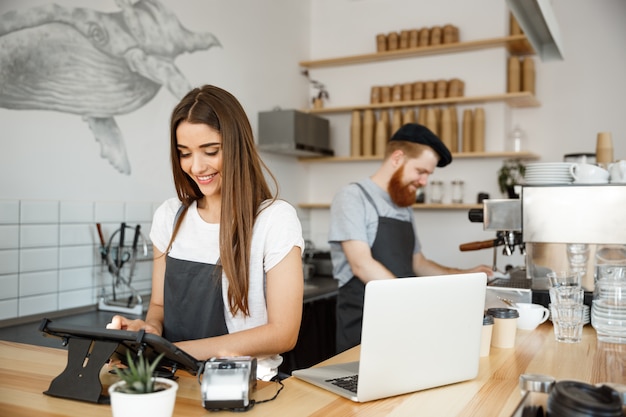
[(133, 256), (103, 245), (99, 227), (133, 261), (120, 248)]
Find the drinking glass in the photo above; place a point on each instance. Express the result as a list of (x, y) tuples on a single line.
[(567, 320), (564, 278), (567, 295)]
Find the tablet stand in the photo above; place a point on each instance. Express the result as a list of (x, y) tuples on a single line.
[(89, 349), (81, 378)]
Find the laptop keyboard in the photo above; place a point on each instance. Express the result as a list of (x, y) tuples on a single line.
[(347, 382), (511, 283)]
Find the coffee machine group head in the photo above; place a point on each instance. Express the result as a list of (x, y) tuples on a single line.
[(504, 217)]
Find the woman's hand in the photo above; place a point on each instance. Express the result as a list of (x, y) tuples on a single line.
[(123, 323)]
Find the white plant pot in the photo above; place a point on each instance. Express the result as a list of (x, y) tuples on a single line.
[(154, 404)]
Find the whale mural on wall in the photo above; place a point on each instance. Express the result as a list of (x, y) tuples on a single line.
[(94, 64)]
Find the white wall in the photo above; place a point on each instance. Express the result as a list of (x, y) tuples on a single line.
[(51, 155), (579, 96)]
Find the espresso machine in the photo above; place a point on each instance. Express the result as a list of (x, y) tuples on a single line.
[(558, 227)]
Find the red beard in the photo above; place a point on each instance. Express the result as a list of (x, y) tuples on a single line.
[(400, 193)]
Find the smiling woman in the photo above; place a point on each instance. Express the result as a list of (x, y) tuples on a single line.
[(227, 277), (202, 162)]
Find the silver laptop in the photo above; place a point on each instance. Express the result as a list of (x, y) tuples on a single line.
[(418, 333)]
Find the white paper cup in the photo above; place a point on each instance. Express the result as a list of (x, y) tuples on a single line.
[(485, 340), (504, 327)]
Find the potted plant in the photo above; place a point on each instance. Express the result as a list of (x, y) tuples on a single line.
[(510, 175), (322, 93), (140, 393)]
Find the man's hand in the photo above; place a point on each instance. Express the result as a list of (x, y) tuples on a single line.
[(482, 268)]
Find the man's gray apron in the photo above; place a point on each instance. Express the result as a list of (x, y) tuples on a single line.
[(193, 306), (393, 247)]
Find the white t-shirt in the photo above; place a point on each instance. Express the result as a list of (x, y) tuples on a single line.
[(276, 231)]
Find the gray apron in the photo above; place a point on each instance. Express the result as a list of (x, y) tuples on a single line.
[(193, 306), (392, 247)]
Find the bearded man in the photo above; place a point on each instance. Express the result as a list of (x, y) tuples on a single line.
[(372, 229)]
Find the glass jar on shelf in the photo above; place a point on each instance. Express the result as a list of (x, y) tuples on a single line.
[(457, 191), (517, 140), (435, 191)]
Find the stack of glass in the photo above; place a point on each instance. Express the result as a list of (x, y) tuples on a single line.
[(577, 256), (566, 305), (608, 310)]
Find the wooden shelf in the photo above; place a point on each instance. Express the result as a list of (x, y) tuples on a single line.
[(517, 100), (433, 206), (459, 155), (424, 206), (516, 44)]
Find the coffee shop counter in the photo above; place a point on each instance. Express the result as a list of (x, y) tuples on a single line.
[(26, 371)]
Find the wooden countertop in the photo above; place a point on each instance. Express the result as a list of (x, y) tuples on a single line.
[(26, 371)]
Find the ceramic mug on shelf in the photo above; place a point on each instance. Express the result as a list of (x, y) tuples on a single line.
[(588, 173), (618, 171)]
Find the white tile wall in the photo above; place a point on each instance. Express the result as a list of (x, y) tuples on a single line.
[(77, 212), (39, 212), (78, 234), (40, 259), (138, 212), (9, 212), (9, 260), (74, 299), (8, 309), (50, 253), (9, 236), (37, 304), (76, 278), (39, 235), (76, 256), (109, 212), (36, 283), (8, 286)]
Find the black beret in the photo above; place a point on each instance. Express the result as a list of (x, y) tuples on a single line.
[(413, 132)]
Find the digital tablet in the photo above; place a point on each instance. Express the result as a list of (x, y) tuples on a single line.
[(147, 344)]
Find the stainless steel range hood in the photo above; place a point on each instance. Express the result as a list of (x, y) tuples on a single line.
[(292, 132), (537, 20)]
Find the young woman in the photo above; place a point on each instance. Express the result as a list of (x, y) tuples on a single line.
[(227, 277)]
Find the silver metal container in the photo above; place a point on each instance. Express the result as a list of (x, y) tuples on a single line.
[(293, 132)]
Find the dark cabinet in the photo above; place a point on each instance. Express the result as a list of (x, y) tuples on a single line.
[(316, 340)]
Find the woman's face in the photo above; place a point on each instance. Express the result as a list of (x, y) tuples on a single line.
[(200, 155)]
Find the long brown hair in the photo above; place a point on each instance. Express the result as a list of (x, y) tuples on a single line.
[(244, 187)]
